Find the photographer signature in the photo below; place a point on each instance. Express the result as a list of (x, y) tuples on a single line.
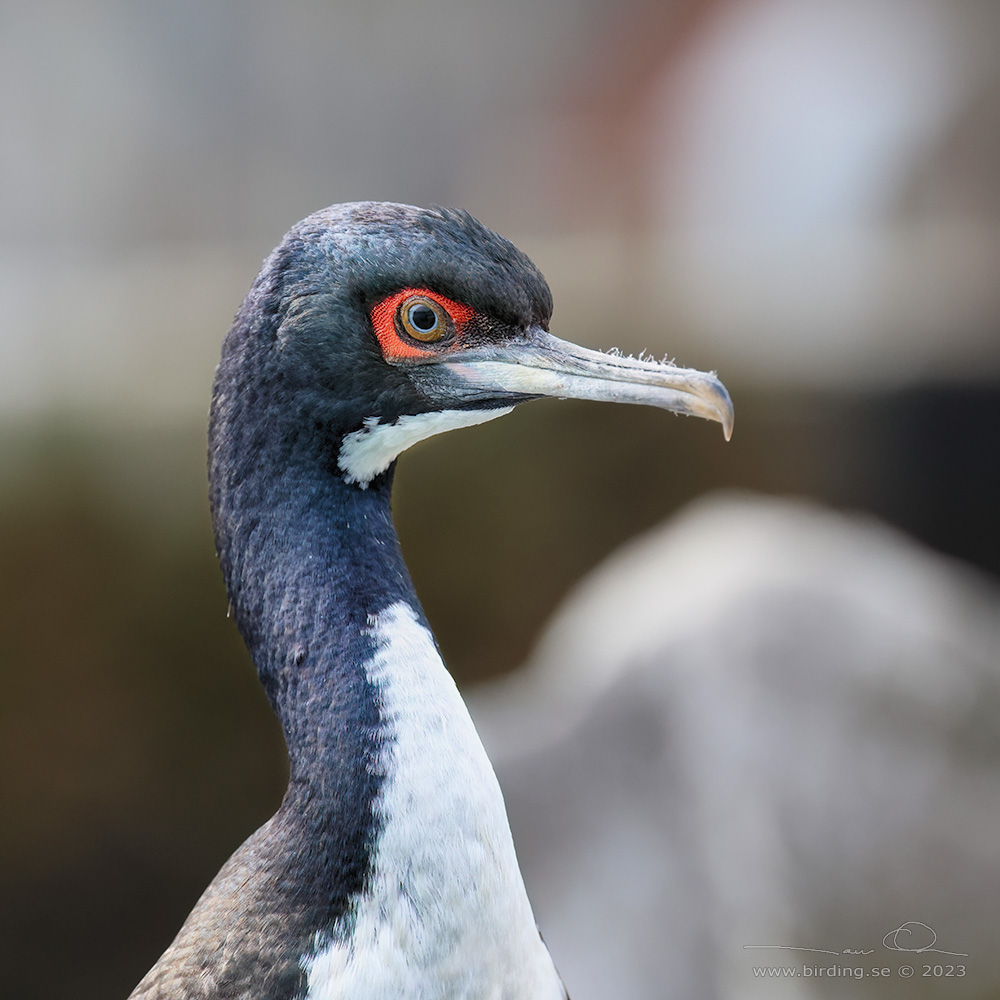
[(914, 937)]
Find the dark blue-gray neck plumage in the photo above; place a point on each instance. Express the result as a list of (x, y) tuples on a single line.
[(307, 557)]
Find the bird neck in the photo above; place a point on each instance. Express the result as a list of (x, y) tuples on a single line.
[(308, 561), (393, 830)]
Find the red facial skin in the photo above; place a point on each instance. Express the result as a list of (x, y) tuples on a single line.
[(398, 347)]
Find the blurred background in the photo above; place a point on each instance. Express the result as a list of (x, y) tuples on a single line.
[(801, 195)]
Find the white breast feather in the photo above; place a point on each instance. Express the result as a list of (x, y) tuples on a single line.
[(447, 916)]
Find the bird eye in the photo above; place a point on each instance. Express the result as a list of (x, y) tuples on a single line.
[(423, 318)]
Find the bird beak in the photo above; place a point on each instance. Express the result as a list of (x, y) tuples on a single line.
[(543, 365)]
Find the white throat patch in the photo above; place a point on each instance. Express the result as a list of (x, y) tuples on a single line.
[(371, 450)]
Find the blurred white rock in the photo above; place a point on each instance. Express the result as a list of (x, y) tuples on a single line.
[(762, 724)]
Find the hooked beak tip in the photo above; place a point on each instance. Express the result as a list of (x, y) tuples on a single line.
[(726, 415)]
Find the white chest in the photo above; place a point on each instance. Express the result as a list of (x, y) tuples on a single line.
[(446, 914)]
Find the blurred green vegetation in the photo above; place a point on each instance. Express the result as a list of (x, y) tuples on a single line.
[(138, 748)]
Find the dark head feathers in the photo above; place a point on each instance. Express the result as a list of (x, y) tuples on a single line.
[(370, 249)]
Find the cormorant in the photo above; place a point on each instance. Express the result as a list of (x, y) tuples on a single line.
[(389, 870)]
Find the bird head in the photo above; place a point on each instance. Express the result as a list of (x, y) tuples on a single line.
[(376, 325)]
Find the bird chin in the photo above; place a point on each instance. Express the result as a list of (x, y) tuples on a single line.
[(368, 452)]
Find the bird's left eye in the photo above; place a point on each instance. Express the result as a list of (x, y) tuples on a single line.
[(423, 319)]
